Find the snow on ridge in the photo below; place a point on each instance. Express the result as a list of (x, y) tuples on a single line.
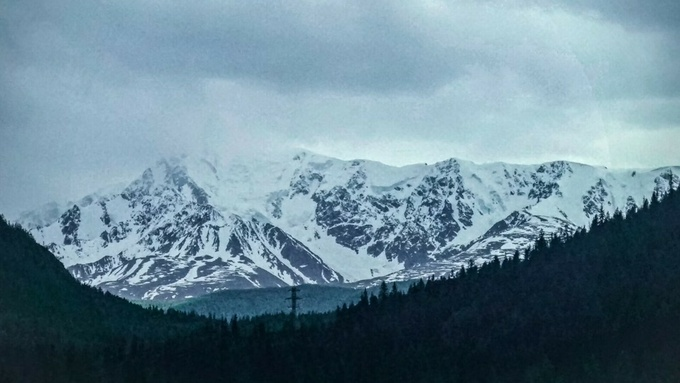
[(190, 224)]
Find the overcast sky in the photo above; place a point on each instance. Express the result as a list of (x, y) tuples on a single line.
[(92, 92)]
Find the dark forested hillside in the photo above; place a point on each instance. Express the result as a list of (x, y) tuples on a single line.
[(52, 328), (597, 306), (593, 306)]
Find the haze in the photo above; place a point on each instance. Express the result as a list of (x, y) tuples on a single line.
[(95, 91)]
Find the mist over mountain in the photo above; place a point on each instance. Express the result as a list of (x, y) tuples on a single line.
[(193, 225)]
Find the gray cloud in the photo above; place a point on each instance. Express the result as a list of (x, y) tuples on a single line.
[(292, 46), (94, 91), (652, 15), (642, 40), (651, 114), (382, 47)]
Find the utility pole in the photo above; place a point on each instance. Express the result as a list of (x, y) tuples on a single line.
[(293, 300)]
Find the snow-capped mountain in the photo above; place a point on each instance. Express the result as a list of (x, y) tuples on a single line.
[(189, 226)]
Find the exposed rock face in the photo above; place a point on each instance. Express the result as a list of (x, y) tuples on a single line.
[(190, 226)]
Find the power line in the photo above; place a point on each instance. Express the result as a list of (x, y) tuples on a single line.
[(293, 300)]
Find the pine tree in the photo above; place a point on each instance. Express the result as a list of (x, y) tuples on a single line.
[(395, 291), (541, 244), (233, 324), (382, 293), (363, 299), (515, 257)]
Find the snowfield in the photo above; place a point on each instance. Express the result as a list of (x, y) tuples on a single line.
[(189, 226)]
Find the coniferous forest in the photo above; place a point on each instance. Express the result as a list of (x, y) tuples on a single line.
[(597, 305)]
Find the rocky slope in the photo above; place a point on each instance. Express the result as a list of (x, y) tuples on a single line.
[(189, 226)]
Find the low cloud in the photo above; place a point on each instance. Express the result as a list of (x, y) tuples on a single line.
[(95, 91)]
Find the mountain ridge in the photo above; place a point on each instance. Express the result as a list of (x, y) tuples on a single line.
[(189, 226)]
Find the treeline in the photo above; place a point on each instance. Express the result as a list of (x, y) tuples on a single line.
[(52, 328), (590, 306)]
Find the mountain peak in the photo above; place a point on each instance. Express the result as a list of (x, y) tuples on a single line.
[(189, 225)]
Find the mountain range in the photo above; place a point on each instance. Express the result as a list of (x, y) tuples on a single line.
[(189, 226)]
